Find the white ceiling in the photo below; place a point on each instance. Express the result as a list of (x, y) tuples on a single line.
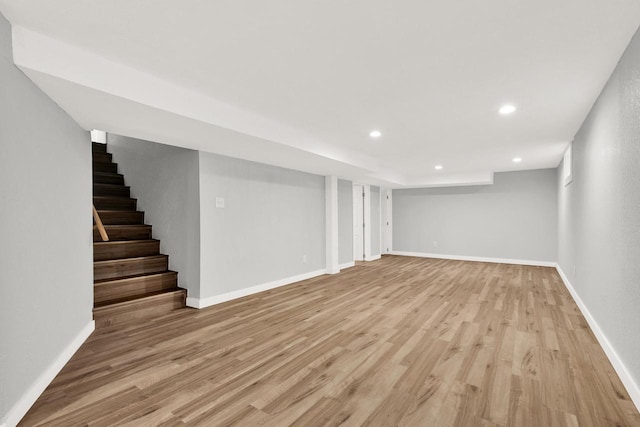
[(301, 83)]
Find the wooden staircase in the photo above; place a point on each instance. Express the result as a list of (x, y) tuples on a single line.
[(132, 280)]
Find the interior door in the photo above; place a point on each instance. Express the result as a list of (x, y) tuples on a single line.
[(358, 222)]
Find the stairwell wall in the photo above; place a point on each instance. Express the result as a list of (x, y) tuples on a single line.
[(46, 277), (165, 180)]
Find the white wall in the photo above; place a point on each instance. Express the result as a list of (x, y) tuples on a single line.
[(345, 221), (599, 215), (165, 181), (272, 218), (46, 271), (515, 218)]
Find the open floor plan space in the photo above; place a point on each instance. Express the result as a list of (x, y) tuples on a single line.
[(400, 341)]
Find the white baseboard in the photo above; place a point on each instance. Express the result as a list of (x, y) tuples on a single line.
[(217, 299), (632, 387), (29, 398), (477, 259), (373, 258), (347, 265)]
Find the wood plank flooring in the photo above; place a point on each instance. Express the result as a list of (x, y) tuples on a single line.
[(397, 342)]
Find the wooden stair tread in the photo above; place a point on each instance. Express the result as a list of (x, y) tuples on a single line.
[(125, 267), (125, 245), (101, 157), (115, 203), (100, 184), (138, 310), (123, 242), (113, 197), (108, 174), (115, 190), (105, 167), (121, 217), (124, 232), (114, 290), (112, 260), (122, 302), (132, 226), (106, 282), (107, 178)]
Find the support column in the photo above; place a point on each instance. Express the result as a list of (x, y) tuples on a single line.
[(331, 219), (367, 222)]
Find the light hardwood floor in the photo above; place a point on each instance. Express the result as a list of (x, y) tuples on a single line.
[(400, 341)]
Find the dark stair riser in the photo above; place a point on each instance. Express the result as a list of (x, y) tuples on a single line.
[(123, 232), (112, 217), (102, 157), (103, 251), (114, 203), (120, 268), (111, 190), (105, 167), (98, 148), (110, 290), (139, 310), (107, 178)]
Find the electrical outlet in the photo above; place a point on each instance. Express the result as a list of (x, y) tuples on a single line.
[(220, 202), (304, 258), (435, 244)]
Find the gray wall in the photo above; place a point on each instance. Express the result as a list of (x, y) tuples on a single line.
[(375, 221), (46, 275), (165, 180), (515, 218), (599, 219), (345, 221), (271, 219), (384, 217)]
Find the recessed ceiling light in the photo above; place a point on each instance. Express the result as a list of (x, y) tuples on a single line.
[(507, 109), (438, 167), (517, 159), (375, 134)]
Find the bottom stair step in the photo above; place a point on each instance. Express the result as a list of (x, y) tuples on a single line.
[(139, 309), (110, 290)]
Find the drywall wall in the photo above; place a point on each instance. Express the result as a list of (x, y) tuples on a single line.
[(515, 218), (272, 225), (46, 275), (376, 217), (165, 181), (599, 213), (345, 222), (386, 219)]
